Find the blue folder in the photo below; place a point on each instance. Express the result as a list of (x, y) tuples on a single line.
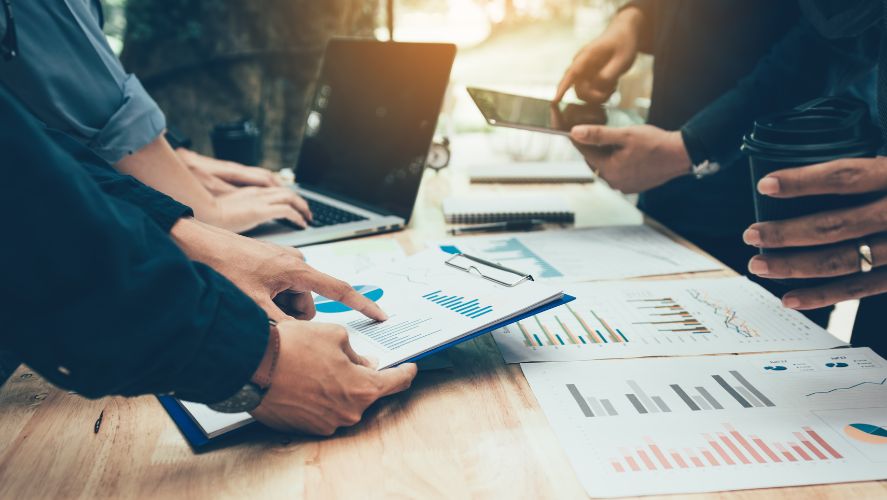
[(198, 440)]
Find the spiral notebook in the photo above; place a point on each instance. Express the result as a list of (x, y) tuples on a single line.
[(504, 208)]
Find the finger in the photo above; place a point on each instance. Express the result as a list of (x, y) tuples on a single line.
[(289, 197), (353, 356), (287, 212), (852, 288), (397, 379), (596, 157), (564, 85), (838, 260), (593, 91), (597, 135), (246, 176), (298, 305), (271, 309), (820, 229), (340, 291), (844, 176)]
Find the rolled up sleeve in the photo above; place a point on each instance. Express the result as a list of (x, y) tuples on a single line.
[(69, 78)]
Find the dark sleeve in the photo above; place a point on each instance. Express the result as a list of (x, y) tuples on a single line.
[(796, 70), (650, 9), (162, 209), (96, 298)]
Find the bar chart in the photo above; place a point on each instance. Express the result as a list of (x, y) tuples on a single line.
[(724, 392), (661, 318), (666, 315), (726, 447), (716, 423), (459, 304)]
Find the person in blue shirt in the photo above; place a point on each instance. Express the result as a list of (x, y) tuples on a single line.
[(66, 74)]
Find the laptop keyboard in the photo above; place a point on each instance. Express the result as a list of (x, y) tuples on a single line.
[(326, 215)]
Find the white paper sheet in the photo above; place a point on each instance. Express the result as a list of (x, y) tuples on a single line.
[(717, 423), (632, 319), (587, 254)]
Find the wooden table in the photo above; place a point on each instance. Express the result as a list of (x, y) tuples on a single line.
[(473, 431)]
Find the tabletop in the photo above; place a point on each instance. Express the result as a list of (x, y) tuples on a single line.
[(473, 430)]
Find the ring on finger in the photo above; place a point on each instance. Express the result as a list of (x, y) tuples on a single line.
[(865, 257)]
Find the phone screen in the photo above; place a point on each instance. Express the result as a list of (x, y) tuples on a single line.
[(508, 110)]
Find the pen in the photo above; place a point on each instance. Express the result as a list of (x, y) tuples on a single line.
[(516, 225)]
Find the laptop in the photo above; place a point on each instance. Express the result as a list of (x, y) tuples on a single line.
[(367, 137)]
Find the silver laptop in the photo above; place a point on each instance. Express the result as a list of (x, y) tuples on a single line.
[(366, 139)]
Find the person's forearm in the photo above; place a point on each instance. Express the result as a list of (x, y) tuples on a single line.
[(795, 71), (632, 18), (158, 166), (641, 16)]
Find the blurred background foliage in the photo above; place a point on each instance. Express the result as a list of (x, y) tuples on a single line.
[(215, 61)]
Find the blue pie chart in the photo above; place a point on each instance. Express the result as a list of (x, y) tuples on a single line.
[(329, 306)]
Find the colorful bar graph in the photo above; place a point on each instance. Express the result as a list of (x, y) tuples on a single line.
[(669, 316), (728, 448), (470, 308), (615, 337)]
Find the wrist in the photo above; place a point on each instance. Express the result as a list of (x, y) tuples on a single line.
[(265, 372), (629, 21), (681, 163)]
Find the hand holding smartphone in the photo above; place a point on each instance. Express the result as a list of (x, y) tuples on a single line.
[(529, 113)]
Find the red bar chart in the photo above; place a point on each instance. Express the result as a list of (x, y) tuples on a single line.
[(725, 448)]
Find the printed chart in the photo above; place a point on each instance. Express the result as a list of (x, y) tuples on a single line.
[(428, 304), (697, 424), (586, 254), (661, 318)]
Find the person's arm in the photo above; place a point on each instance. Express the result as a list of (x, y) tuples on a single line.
[(649, 10), (282, 285), (67, 75), (98, 299), (162, 209), (795, 71)]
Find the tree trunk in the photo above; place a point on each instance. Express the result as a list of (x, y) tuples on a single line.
[(207, 62)]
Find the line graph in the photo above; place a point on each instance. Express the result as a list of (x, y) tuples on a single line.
[(731, 320), (854, 386)]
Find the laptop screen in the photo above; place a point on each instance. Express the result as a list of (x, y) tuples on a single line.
[(372, 121)]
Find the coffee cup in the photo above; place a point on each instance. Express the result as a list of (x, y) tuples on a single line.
[(819, 131)]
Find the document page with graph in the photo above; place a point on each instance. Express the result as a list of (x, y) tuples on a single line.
[(431, 303), (716, 423), (599, 253), (632, 319)]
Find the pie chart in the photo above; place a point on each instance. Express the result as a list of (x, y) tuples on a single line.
[(867, 433), (329, 306)]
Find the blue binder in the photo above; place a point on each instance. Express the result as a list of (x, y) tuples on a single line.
[(199, 442)]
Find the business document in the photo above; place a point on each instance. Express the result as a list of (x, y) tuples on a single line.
[(430, 303), (716, 423), (630, 319), (587, 254)]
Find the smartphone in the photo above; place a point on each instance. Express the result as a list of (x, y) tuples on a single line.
[(529, 113)]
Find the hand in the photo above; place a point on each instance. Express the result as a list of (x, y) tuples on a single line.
[(597, 67), (247, 207), (632, 159), (221, 176), (841, 230), (321, 384), (276, 278)]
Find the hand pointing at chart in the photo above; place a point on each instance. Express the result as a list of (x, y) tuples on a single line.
[(275, 277)]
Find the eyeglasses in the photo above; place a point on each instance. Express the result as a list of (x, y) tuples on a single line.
[(9, 44)]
